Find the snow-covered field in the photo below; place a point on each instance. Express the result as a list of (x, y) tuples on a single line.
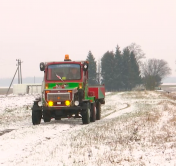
[(137, 128)]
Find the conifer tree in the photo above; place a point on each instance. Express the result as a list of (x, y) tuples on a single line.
[(117, 69), (107, 70), (134, 73), (92, 76), (136, 70), (130, 70), (126, 67)]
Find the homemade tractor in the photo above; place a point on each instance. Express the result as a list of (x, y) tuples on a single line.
[(65, 93)]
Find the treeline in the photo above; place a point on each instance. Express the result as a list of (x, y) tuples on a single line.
[(118, 71), (121, 71)]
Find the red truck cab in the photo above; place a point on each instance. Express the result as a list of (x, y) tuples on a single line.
[(65, 93)]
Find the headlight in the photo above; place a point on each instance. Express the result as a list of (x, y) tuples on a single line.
[(76, 103), (50, 103), (67, 102), (39, 103)]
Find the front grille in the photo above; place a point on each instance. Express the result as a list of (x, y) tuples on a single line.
[(58, 96)]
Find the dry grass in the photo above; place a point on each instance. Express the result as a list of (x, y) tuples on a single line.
[(129, 139), (15, 115)]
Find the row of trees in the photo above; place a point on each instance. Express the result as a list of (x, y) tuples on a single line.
[(124, 70)]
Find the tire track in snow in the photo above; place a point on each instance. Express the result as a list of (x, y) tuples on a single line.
[(106, 116)]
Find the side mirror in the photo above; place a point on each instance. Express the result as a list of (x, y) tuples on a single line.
[(42, 66), (85, 66)]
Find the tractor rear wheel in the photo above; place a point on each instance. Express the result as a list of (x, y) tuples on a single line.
[(98, 110), (57, 118), (93, 112), (86, 114)]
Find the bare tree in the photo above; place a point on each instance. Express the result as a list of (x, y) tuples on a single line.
[(136, 49), (139, 54), (153, 71)]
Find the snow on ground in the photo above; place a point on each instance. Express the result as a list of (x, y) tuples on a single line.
[(14, 110), (137, 128)]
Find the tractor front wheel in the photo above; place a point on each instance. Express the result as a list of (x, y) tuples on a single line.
[(36, 117), (46, 116)]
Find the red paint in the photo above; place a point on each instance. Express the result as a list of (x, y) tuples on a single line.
[(49, 74), (94, 90), (91, 93)]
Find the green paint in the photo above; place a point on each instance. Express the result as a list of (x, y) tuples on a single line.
[(91, 98), (100, 94), (70, 85)]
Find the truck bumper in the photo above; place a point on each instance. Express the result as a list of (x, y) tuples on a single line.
[(64, 111), (61, 108)]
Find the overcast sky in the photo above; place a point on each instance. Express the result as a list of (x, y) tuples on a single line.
[(46, 30)]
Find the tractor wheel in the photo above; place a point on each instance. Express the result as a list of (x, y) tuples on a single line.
[(93, 112), (57, 118), (86, 115), (46, 116), (36, 117), (98, 111)]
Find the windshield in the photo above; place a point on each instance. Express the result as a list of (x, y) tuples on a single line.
[(63, 72)]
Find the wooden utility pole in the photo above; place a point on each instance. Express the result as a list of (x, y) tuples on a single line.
[(19, 71), (19, 74)]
